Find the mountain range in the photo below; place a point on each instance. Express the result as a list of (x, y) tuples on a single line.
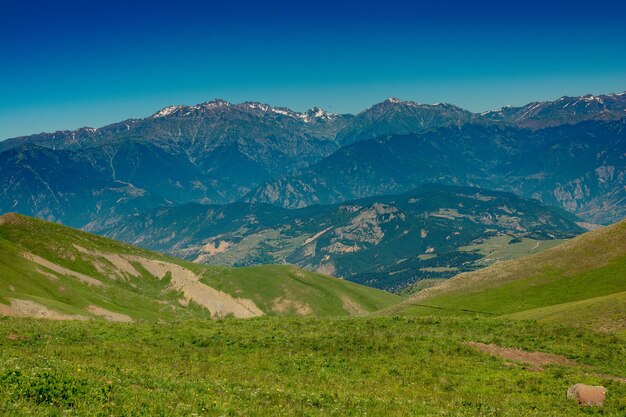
[(302, 169), (580, 168)]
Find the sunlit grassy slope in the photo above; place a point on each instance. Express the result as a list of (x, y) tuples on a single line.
[(581, 281), (52, 271), (365, 366)]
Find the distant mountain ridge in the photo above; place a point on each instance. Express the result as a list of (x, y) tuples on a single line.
[(214, 152), (395, 116), (581, 168), (565, 110), (218, 152)]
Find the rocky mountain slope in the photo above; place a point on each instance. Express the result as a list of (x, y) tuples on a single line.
[(52, 271), (565, 110), (579, 282), (581, 168), (431, 232), (395, 116), (213, 152)]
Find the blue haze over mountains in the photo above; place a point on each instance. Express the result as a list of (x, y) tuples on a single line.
[(563, 161)]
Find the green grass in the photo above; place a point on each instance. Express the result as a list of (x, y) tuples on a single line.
[(321, 294), (275, 289), (545, 289), (418, 366), (504, 248), (607, 313), (421, 285), (585, 273)]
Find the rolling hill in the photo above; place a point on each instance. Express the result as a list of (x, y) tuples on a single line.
[(582, 281), (53, 271)]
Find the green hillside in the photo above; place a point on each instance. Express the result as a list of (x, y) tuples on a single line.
[(582, 281), (52, 271)]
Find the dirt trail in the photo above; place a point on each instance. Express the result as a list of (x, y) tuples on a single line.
[(219, 303), (61, 270)]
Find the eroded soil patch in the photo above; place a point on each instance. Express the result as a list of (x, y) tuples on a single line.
[(535, 360)]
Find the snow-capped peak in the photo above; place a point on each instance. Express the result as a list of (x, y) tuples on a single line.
[(218, 102), (282, 110), (393, 100), (315, 113), (257, 106), (166, 111)]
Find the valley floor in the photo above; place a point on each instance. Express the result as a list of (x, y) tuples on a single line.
[(376, 366)]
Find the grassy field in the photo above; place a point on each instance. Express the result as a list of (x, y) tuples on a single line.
[(503, 248), (415, 361), (607, 313), (377, 366)]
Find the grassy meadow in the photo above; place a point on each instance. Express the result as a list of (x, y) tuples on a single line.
[(367, 366)]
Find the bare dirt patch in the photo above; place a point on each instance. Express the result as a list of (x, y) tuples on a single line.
[(535, 360), (354, 309), (315, 236), (62, 270), (121, 267), (219, 303), (29, 308), (213, 248), (327, 269), (109, 315), (14, 337), (47, 274), (8, 218), (285, 305)]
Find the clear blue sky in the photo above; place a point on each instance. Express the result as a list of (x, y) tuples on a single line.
[(65, 64)]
